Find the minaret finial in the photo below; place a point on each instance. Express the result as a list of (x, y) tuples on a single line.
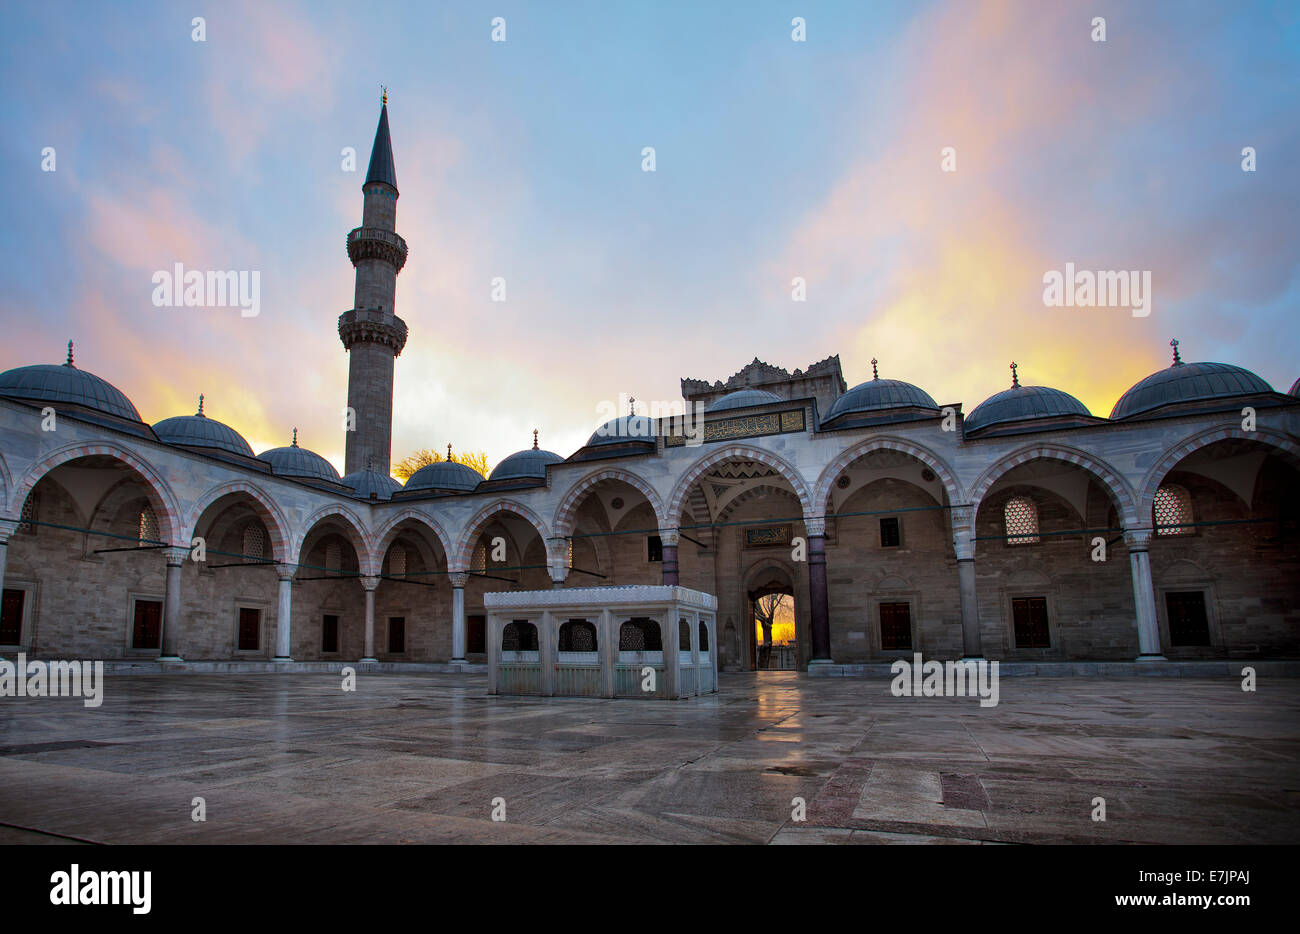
[(1173, 343), (1015, 380), (874, 373), (69, 360), (534, 439), (449, 452), (295, 437), (200, 412), (384, 101)]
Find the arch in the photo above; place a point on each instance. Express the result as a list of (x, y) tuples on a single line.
[(465, 544), (1109, 477), (278, 524), (6, 483), (738, 452), (757, 491), (365, 560), (386, 533), (1284, 445), (166, 504), (565, 513), (952, 486)]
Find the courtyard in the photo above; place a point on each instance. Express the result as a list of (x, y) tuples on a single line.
[(428, 758)]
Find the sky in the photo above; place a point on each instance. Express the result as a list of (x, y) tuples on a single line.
[(775, 159)]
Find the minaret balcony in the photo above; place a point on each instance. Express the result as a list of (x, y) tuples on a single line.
[(374, 243), (372, 326)]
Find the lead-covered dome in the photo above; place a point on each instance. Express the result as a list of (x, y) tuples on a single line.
[(530, 464), (445, 475), (1021, 403), (742, 398), (878, 394), (1188, 382), (626, 428), (49, 382), (371, 484), (293, 461), (199, 431), (1295, 389)]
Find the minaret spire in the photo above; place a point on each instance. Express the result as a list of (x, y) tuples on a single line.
[(381, 153)]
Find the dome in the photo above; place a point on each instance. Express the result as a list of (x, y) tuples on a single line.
[(1188, 382), (529, 464), (199, 431), (444, 475), (370, 484), (1024, 402), (627, 428), (48, 382), (877, 394), (1295, 389), (742, 398), (294, 461)]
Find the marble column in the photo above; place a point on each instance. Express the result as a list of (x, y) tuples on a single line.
[(284, 613), (547, 636), (1144, 595), (370, 583), (7, 527), (171, 625), (963, 543), (818, 595), (557, 564), (458, 641), (608, 653), (669, 539)]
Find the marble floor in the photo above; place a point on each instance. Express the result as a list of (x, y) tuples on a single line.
[(421, 758)]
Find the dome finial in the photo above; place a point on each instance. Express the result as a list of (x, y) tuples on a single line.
[(384, 99), (1015, 380), (69, 360), (295, 437), (1177, 359), (631, 405), (874, 374), (534, 439), (449, 452), (199, 413)]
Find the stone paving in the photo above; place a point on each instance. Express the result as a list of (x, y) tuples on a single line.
[(419, 758)]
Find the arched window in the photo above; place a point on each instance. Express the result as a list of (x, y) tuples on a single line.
[(578, 635), (640, 634), (397, 562), (1021, 517), (1173, 511), (704, 636), (683, 636), (254, 544), (479, 562), (148, 526), (29, 513), (519, 636)]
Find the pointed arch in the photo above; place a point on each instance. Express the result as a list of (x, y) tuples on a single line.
[(277, 524), (356, 536), (1173, 456), (384, 536), (739, 452), (166, 506), (952, 486), (465, 543), (566, 513), (1119, 490)]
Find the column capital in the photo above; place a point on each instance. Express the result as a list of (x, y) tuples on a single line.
[(286, 571), (1138, 539), (964, 545), (669, 536), (175, 557), (961, 516), (815, 526), (7, 529), (558, 573), (369, 583), (458, 579)]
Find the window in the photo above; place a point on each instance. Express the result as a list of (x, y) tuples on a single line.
[(1173, 511), (519, 636), (1029, 615), (578, 635), (704, 636), (11, 617), (683, 636), (396, 635), (889, 536), (254, 544), (148, 526), (397, 562), (146, 631), (476, 635), (329, 634), (250, 629), (1188, 624), (640, 634), (31, 507), (896, 627), (655, 548), (479, 563), (1021, 517)]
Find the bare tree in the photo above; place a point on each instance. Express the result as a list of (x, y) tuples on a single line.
[(765, 610)]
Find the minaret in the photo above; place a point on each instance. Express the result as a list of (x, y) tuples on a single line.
[(371, 332)]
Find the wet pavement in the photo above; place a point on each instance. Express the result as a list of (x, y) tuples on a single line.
[(427, 758)]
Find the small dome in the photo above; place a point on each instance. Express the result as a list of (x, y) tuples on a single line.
[(1295, 389), (742, 398), (444, 475), (877, 394), (199, 431), (1024, 402), (1188, 382), (294, 461), (367, 482), (48, 382), (529, 464), (627, 428)]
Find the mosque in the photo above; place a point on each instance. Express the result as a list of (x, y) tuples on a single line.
[(1025, 529)]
